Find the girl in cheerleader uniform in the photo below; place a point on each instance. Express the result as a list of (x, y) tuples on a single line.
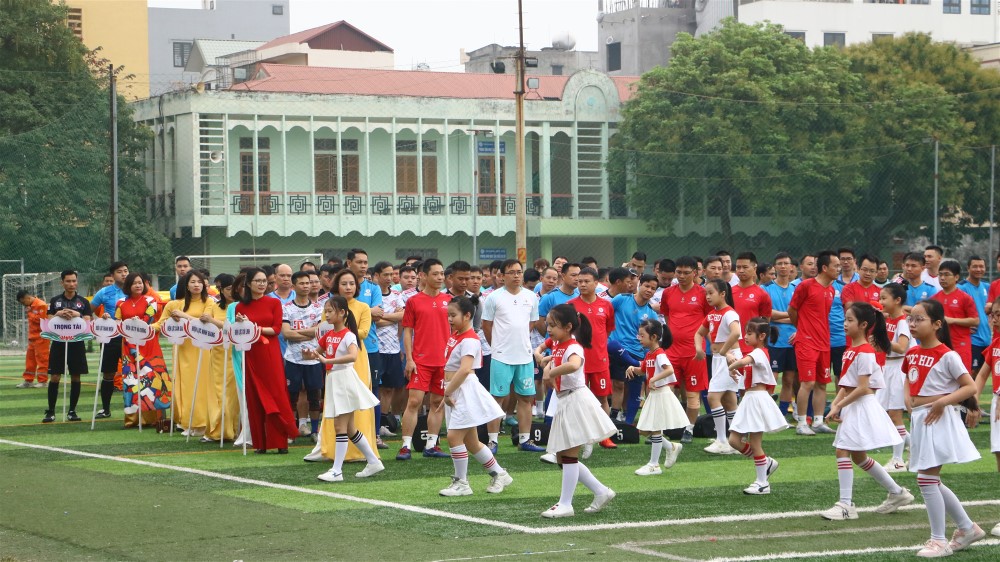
[(890, 396)]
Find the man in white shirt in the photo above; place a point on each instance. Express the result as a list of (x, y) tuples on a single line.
[(932, 261), (392, 383)]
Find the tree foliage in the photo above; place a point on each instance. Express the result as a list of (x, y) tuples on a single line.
[(55, 162)]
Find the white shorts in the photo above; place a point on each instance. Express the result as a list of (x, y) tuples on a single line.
[(721, 381), (891, 397), (994, 426), (946, 441)]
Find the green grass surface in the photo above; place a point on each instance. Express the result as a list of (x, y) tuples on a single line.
[(55, 506)]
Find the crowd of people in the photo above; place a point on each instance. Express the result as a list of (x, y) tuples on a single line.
[(351, 353)]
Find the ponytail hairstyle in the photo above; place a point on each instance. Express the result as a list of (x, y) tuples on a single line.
[(566, 315), (763, 328), (875, 320), (222, 281), (465, 305), (935, 312), (659, 331), (896, 291), (339, 302), (721, 286)]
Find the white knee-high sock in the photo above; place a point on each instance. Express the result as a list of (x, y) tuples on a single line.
[(954, 508), (489, 462), (460, 458), (897, 450), (656, 449), (930, 489), (570, 476), (760, 464), (876, 471), (339, 452), (361, 442), (719, 417), (845, 475), (588, 479)]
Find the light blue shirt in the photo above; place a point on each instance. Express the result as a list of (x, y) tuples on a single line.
[(838, 337), (370, 294), (281, 338), (780, 297), (981, 336), (628, 315), (173, 292), (108, 298), (915, 294), (553, 299)]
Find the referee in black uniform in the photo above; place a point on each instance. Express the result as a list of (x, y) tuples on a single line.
[(67, 306)]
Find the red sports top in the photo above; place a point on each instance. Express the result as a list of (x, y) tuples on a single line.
[(855, 292), (685, 312), (813, 301), (602, 322), (992, 358), (428, 317)]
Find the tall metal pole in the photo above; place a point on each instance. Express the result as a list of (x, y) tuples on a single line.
[(936, 144), (520, 220), (993, 184), (114, 163)]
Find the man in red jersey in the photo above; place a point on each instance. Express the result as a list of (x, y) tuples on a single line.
[(602, 322), (749, 299), (684, 306), (864, 289), (809, 312), (425, 335), (959, 310), (994, 290)]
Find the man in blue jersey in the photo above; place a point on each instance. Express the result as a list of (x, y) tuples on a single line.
[(838, 337), (782, 353), (916, 290), (108, 298), (624, 349), (565, 292), (975, 287), (370, 294), (182, 265)]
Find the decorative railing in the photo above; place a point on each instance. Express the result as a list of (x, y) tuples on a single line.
[(381, 204)]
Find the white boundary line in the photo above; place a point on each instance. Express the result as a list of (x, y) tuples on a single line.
[(512, 555), (848, 552)]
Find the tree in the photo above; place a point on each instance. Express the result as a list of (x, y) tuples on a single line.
[(55, 151)]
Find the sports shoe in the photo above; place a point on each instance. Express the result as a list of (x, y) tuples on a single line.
[(206, 439), (384, 431), (608, 444), (549, 458), (600, 501), (935, 549), (435, 452), (71, 416), (40, 385), (672, 455), (50, 416), (102, 414), (772, 466), (803, 429), (823, 428), (498, 482), (403, 454), (895, 465), (457, 487), (895, 501), (620, 418), (510, 421), (314, 456), (687, 437), (720, 448), (587, 450), (840, 512), (757, 489), (380, 444), (331, 476), (558, 511), (996, 530), (648, 470), (305, 429), (25, 384), (960, 540), (371, 469), (315, 438), (493, 446), (530, 447)]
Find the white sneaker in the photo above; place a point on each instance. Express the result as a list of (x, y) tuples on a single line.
[(895, 501), (457, 488), (840, 512), (757, 489), (960, 540), (371, 469), (772, 466), (823, 428), (717, 448), (25, 384), (498, 482), (895, 465), (331, 476), (648, 470), (558, 511), (935, 549), (600, 501), (383, 431), (996, 530), (549, 458), (305, 429), (804, 429), (588, 450), (315, 456), (621, 417), (39, 385), (672, 455)]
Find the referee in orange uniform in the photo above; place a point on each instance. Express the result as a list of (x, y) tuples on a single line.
[(36, 360)]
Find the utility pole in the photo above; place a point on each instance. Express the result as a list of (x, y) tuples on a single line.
[(114, 163), (936, 178), (520, 219)]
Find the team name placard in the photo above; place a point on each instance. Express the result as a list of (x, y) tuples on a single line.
[(174, 330)]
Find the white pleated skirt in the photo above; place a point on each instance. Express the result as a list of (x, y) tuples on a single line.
[(892, 396), (474, 405), (945, 441), (579, 420), (994, 426), (756, 413), (345, 393), (721, 381), (865, 426), (661, 411)]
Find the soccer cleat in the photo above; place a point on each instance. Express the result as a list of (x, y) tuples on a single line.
[(305, 429), (586, 451), (963, 539), (434, 452), (331, 476), (403, 454), (529, 446), (804, 429), (558, 511), (823, 428), (50, 416), (371, 469), (772, 466), (621, 417), (840, 512), (672, 455), (71, 416), (935, 549), (687, 437), (102, 414), (720, 448), (493, 446), (384, 431), (895, 501), (608, 444), (457, 487), (380, 444), (510, 421), (548, 458), (498, 482), (39, 385), (25, 384), (600, 501), (648, 470), (895, 465), (757, 489)]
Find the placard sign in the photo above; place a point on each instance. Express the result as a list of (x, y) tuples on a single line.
[(59, 329), (104, 329), (204, 335), (243, 334), (136, 331), (174, 330)]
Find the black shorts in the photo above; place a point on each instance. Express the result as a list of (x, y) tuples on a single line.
[(77, 362), (112, 355), (782, 359), (297, 375), (483, 373), (392, 371), (977, 359), (617, 368), (375, 367), (837, 360)]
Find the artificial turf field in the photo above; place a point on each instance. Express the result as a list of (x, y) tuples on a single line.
[(146, 496)]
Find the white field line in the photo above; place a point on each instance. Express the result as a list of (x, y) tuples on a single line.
[(848, 552), (511, 555)]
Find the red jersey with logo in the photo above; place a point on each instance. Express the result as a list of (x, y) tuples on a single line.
[(934, 371), (335, 344), (812, 301), (992, 358), (685, 312), (718, 323), (994, 291), (561, 352), (750, 302), (428, 317), (601, 316), (856, 292), (655, 362), (958, 304)]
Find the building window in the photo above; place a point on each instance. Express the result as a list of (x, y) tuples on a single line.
[(325, 165), (247, 177), (487, 174), (614, 56), (557, 70), (182, 50), (406, 166), (980, 7), (834, 40), (925, 2), (277, 9), (953, 6), (881, 36), (74, 20), (800, 35)]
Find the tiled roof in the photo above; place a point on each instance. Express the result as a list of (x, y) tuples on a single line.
[(412, 83), (308, 34)]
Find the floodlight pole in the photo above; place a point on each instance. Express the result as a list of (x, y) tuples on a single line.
[(936, 178), (114, 164), (520, 220)]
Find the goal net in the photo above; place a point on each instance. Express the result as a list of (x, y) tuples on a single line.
[(14, 320)]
